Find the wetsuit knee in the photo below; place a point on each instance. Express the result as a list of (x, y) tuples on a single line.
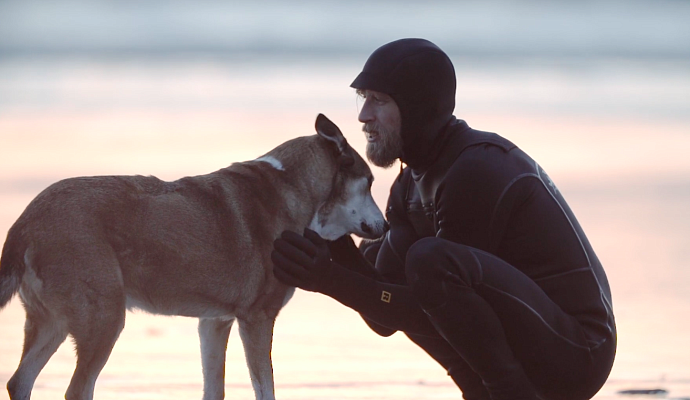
[(432, 264)]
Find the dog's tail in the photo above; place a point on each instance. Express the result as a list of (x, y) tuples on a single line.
[(11, 270)]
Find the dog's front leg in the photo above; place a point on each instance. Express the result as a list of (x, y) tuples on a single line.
[(213, 335), (257, 336)]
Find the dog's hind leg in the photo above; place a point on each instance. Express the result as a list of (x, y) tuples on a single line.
[(96, 316), (257, 337), (213, 335), (43, 334), (94, 338)]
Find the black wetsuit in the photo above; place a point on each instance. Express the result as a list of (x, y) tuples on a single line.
[(484, 266), (491, 229)]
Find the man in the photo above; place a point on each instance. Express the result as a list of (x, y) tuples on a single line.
[(484, 266)]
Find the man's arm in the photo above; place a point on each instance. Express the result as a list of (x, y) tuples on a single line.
[(380, 295), (305, 262), (362, 260)]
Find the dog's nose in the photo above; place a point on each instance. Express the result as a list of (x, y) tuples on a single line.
[(365, 228), (386, 227)]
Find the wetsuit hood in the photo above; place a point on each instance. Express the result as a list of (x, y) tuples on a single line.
[(420, 77)]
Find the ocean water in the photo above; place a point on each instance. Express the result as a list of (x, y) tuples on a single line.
[(598, 94)]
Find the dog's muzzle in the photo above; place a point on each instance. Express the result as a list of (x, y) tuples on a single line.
[(366, 228)]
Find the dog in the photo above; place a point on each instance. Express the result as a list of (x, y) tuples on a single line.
[(87, 249)]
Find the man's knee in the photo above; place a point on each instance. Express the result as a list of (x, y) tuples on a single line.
[(435, 258), (432, 263), (423, 253)]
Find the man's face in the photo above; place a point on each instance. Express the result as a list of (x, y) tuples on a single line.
[(381, 118)]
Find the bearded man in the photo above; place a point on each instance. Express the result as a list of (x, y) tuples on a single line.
[(485, 266)]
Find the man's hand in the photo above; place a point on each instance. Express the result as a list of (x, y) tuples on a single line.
[(301, 261), (344, 252)]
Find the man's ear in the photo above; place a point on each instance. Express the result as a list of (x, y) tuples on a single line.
[(329, 131)]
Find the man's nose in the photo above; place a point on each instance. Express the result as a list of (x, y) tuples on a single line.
[(365, 114)]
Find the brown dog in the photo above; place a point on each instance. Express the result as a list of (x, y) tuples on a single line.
[(87, 249)]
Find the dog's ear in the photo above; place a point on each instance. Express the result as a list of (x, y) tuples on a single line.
[(329, 131)]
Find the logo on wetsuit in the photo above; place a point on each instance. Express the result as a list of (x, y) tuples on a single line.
[(385, 296)]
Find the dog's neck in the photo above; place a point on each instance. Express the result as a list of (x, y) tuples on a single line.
[(308, 168)]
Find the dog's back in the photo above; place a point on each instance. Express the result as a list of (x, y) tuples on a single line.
[(159, 233)]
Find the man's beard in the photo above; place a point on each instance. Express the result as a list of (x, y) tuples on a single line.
[(386, 149)]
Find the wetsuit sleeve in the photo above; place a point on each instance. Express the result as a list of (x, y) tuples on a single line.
[(385, 302), (390, 260), (361, 261)]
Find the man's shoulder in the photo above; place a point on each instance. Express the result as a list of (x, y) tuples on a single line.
[(465, 137), (487, 157)]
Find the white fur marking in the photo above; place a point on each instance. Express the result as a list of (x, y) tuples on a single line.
[(275, 163)]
